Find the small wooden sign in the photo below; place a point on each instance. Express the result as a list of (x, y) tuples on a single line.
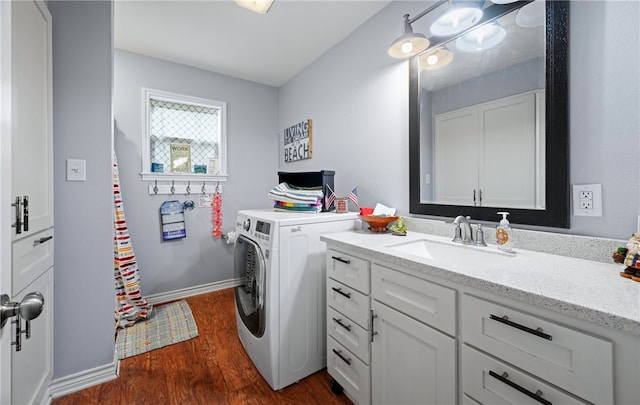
[(297, 141)]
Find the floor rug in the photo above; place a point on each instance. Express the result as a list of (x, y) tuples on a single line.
[(168, 324)]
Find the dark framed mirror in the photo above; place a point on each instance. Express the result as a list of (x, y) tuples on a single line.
[(461, 180)]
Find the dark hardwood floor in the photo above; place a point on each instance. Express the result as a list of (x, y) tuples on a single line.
[(210, 369)]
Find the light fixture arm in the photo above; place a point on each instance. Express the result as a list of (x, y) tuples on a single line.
[(425, 12)]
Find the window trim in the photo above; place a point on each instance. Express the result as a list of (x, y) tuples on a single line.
[(145, 171)]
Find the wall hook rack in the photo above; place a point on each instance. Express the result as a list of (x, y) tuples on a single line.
[(181, 187)]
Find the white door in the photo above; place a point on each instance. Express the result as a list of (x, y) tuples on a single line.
[(456, 158), (411, 363), (26, 198)]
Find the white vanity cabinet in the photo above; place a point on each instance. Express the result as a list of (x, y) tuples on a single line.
[(401, 331)]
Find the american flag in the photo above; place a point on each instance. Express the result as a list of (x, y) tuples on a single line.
[(328, 199), (353, 196)]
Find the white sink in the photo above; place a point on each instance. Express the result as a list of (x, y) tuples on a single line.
[(452, 253)]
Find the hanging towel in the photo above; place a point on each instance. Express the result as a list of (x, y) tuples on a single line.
[(130, 306)]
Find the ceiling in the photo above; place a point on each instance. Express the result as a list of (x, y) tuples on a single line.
[(219, 36)]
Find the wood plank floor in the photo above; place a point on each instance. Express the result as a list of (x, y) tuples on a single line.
[(210, 369)]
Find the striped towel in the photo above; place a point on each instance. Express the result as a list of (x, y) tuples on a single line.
[(291, 194), (287, 206)]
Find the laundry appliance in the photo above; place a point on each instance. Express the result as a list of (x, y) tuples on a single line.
[(280, 303)]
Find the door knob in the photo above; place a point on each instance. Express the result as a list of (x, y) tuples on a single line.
[(29, 308), (31, 305)]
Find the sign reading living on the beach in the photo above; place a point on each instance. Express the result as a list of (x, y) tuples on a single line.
[(297, 141)]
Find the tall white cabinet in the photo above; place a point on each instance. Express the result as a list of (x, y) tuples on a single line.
[(31, 185), (486, 155)]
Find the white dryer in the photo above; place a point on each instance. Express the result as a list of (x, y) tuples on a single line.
[(280, 304)]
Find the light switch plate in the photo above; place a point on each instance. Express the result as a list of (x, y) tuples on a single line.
[(76, 170), (587, 200)]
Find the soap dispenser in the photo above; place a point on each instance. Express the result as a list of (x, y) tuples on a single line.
[(504, 234)]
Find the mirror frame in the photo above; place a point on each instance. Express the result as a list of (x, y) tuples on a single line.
[(556, 212)]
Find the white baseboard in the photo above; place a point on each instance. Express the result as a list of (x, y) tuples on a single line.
[(84, 379), (88, 378), (191, 291)]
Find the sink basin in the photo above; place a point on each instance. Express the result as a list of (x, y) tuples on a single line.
[(452, 253)]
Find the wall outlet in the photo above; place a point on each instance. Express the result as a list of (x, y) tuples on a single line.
[(587, 200)]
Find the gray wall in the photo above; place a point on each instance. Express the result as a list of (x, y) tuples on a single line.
[(82, 128), (358, 99), (252, 111)]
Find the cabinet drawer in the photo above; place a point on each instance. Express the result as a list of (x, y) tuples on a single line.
[(31, 257), (349, 270), (348, 302), (349, 334), (481, 380), (349, 371), (574, 361), (425, 301)]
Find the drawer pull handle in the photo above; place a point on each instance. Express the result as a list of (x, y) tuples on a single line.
[(42, 240), (339, 322), (339, 291), (341, 260), (504, 378), (505, 319), (339, 354)]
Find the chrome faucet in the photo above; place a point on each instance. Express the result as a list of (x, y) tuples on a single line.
[(466, 225)]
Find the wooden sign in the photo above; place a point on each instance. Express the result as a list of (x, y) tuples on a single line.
[(297, 141)]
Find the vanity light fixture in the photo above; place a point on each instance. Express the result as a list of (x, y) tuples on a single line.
[(435, 59), (259, 6), (481, 38), (456, 19), (410, 43)]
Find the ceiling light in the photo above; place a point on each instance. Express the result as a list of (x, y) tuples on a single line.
[(455, 20), (435, 59), (481, 38), (409, 43), (259, 6)]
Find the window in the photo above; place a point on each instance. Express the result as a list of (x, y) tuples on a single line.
[(184, 137)]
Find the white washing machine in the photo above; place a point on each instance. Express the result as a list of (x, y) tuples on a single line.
[(280, 305)]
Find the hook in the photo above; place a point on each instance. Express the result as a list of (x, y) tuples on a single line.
[(203, 188), (173, 188), (217, 187), (155, 188), (189, 187)]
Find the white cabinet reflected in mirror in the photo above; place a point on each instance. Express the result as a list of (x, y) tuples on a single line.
[(488, 117)]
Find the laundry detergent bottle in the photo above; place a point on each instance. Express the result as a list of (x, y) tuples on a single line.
[(504, 234)]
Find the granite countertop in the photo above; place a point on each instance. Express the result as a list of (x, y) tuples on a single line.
[(583, 289)]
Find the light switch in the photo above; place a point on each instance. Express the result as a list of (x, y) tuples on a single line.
[(76, 170)]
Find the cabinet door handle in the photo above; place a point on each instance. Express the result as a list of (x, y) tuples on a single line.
[(25, 213), (18, 224), (42, 240), (341, 260), (505, 320), (339, 354), (474, 197), (339, 322), (339, 291), (504, 378)]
